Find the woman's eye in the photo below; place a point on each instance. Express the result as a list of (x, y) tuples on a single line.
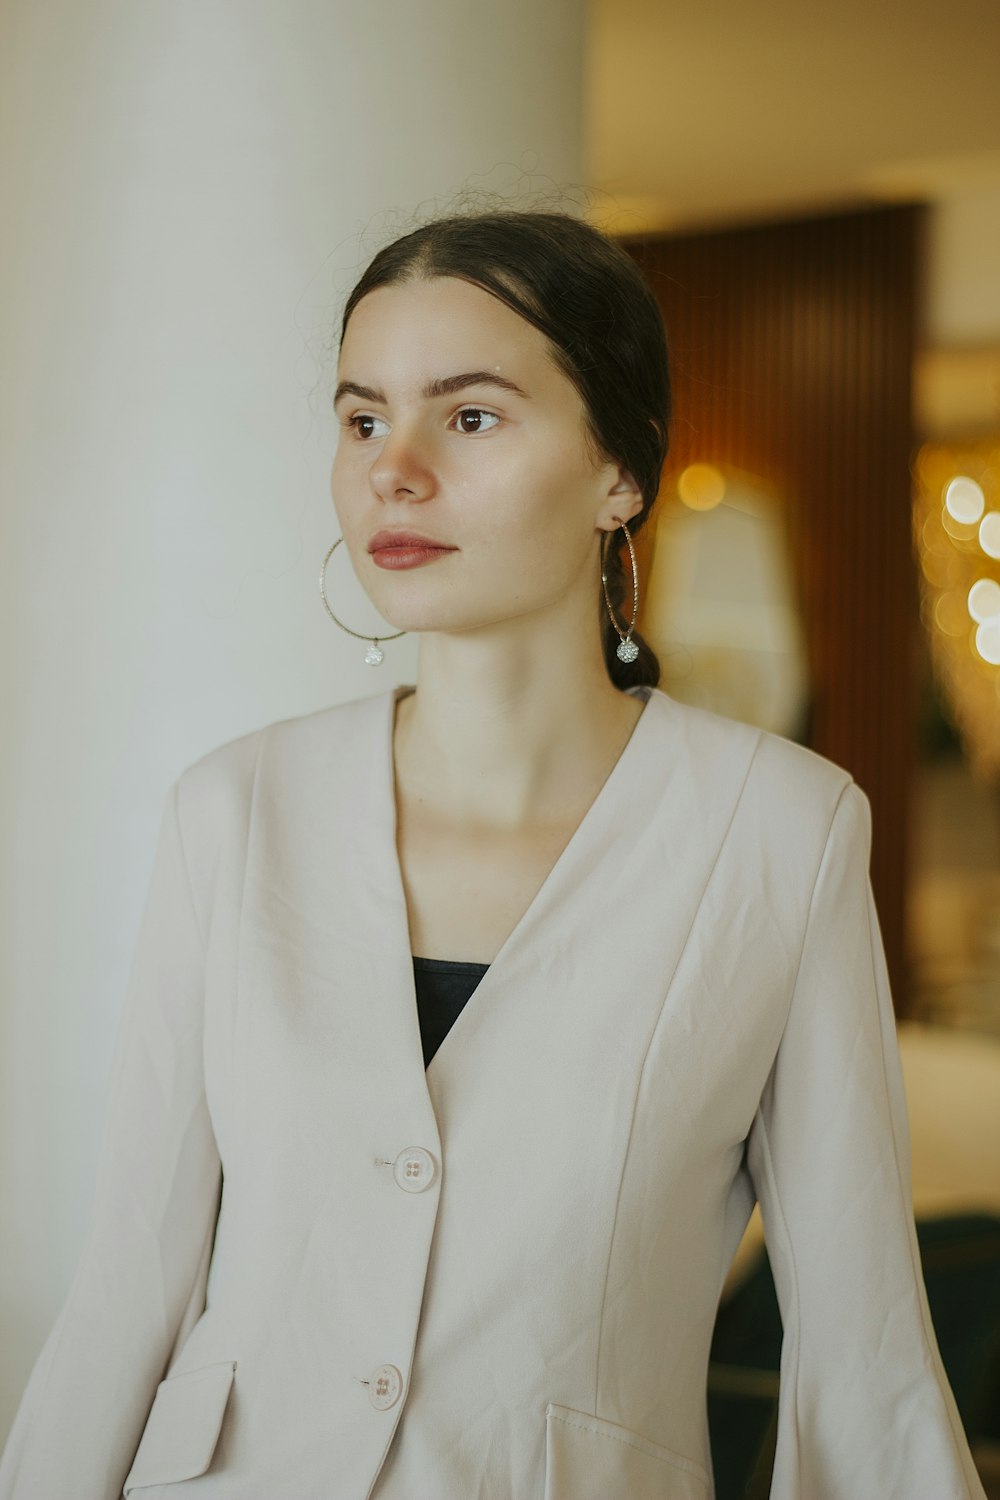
[(360, 425), (471, 419), (477, 415)]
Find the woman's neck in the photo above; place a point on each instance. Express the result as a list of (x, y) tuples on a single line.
[(533, 755)]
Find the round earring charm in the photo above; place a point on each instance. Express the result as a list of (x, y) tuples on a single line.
[(627, 650)]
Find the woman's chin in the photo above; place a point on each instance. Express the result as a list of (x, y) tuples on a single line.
[(433, 622)]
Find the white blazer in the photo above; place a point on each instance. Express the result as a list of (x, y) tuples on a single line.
[(496, 1279)]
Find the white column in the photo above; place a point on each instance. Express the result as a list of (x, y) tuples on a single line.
[(190, 189)]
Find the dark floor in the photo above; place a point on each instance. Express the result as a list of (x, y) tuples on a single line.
[(988, 1463)]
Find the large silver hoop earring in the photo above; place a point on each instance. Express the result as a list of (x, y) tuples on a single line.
[(374, 654), (627, 649)]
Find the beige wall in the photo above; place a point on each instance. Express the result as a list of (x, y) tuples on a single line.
[(963, 279), (185, 185)]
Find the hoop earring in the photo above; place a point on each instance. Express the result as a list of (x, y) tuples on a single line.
[(374, 654), (627, 649)]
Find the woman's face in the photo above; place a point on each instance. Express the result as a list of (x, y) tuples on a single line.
[(491, 462)]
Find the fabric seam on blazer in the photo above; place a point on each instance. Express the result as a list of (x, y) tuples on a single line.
[(641, 1073)]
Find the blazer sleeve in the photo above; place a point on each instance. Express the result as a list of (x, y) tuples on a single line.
[(158, 1181), (865, 1409)]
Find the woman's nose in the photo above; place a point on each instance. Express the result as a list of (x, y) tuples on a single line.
[(402, 467)]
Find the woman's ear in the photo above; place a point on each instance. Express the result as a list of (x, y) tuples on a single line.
[(627, 498), (624, 482)]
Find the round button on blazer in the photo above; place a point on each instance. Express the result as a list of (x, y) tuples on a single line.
[(317, 1270)]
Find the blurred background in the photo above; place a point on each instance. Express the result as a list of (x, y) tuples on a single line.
[(815, 201), (189, 192)]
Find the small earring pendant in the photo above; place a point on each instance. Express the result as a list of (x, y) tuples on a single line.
[(374, 654), (626, 650)]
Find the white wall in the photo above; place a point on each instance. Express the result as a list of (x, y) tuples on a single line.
[(962, 279), (185, 190)]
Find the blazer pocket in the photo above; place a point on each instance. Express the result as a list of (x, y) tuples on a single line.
[(183, 1426), (588, 1458)]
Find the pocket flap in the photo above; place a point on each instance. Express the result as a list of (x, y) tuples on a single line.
[(183, 1426), (589, 1458)]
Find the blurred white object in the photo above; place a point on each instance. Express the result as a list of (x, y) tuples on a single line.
[(722, 613)]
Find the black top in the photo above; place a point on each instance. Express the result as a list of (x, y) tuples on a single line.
[(443, 986)]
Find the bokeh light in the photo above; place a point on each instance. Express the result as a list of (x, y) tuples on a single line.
[(701, 486), (984, 599), (964, 499), (989, 533)]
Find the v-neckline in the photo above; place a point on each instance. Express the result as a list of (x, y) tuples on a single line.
[(589, 821)]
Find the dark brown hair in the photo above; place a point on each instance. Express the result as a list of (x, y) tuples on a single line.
[(588, 298)]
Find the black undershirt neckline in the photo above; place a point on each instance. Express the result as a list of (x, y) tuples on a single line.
[(449, 965), (443, 987)]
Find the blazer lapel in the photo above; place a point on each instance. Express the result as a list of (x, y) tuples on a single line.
[(534, 1089), (325, 961), (325, 916), (603, 936)]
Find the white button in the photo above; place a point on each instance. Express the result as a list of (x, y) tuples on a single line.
[(385, 1386), (414, 1169)]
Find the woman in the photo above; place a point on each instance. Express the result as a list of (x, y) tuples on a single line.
[(491, 1272)]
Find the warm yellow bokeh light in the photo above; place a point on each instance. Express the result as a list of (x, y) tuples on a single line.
[(701, 486), (989, 533), (984, 600), (964, 499), (956, 538), (959, 531), (932, 538), (951, 615), (938, 570), (988, 641)]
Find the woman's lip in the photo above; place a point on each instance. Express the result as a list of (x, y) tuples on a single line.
[(403, 539), (408, 556)]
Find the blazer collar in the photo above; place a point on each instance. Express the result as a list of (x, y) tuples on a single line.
[(610, 824), (326, 929)]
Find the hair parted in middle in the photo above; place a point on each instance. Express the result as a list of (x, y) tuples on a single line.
[(586, 295)]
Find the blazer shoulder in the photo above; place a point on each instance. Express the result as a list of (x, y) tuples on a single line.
[(782, 762), (810, 797), (788, 783), (222, 780)]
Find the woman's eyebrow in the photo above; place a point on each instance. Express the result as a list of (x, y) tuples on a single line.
[(443, 385)]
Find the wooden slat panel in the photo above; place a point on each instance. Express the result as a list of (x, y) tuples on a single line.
[(792, 348)]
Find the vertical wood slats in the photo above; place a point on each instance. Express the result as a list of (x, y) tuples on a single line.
[(792, 348)]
